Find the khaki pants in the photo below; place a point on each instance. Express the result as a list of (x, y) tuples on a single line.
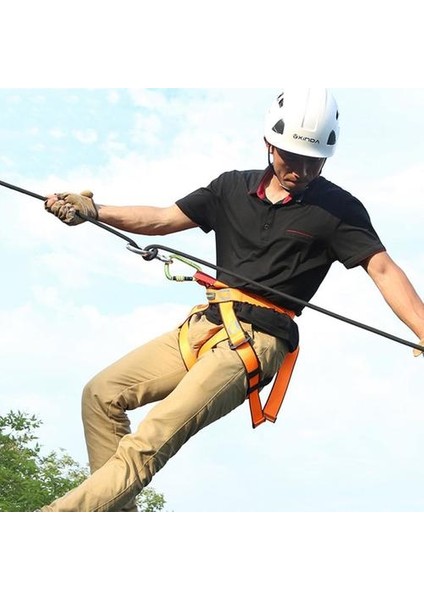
[(123, 463)]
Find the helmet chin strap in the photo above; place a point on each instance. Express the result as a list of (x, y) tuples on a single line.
[(271, 165)]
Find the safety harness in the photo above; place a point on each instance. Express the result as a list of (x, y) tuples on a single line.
[(241, 342)]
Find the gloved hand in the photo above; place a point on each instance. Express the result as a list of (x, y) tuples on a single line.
[(416, 351), (67, 206)]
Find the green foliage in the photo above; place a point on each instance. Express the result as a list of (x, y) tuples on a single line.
[(29, 480), (150, 501)]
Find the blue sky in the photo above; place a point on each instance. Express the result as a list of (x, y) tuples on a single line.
[(349, 437)]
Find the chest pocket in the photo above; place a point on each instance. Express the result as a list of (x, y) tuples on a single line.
[(300, 235)]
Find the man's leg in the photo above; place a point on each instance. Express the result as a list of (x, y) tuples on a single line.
[(215, 386), (146, 375)]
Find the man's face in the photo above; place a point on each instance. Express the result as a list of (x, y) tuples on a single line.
[(294, 171)]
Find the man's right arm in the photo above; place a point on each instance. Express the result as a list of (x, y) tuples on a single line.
[(146, 220)]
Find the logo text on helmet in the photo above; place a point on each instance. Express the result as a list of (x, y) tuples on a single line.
[(303, 138)]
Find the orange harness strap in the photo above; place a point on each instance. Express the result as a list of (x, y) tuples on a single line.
[(240, 341)]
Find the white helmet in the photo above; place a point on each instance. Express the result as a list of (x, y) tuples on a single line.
[(304, 121)]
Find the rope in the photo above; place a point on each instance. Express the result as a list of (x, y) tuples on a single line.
[(15, 188), (287, 297), (152, 252)]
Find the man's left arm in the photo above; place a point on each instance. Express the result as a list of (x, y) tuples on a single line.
[(397, 291)]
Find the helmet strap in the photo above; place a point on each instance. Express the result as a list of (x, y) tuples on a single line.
[(271, 165)]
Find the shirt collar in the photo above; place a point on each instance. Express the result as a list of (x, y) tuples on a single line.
[(259, 188)]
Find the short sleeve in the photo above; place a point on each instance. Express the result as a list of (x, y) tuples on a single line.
[(201, 205), (355, 239)]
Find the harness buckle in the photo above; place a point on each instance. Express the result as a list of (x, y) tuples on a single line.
[(247, 339)]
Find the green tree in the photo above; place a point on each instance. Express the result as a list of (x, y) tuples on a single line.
[(29, 480), (150, 501)]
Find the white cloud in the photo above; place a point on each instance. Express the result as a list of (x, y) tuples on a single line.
[(114, 145), (6, 161), (57, 133), (147, 129), (150, 99), (86, 136), (113, 96)]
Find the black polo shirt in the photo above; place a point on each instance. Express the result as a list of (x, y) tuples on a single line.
[(287, 246)]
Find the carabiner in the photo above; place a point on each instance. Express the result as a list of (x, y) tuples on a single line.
[(179, 278), (147, 254)]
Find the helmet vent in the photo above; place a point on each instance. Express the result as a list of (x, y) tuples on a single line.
[(279, 127), (332, 139), (280, 100)]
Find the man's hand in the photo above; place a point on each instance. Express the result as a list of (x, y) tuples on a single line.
[(72, 208)]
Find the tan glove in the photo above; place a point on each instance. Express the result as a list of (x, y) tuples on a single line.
[(68, 205), (416, 351)]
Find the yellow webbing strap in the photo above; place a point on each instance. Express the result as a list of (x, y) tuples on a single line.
[(188, 355), (239, 340)]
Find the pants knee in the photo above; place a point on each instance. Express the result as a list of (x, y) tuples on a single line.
[(94, 398), (101, 397)]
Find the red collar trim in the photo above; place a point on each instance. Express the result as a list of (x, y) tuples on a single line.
[(260, 192)]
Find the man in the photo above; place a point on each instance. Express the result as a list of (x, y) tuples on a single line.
[(282, 228)]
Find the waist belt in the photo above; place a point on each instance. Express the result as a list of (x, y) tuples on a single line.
[(241, 342)]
